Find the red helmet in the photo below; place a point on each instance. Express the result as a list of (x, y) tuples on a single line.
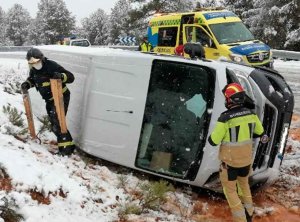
[(234, 94), (232, 89)]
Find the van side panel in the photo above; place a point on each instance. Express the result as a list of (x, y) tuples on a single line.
[(116, 96)]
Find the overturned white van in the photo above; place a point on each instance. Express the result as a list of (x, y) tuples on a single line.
[(154, 113)]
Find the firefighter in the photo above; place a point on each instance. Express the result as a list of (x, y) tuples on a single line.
[(234, 131), (41, 71), (145, 46)]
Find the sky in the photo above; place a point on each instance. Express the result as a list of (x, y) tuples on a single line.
[(79, 8)]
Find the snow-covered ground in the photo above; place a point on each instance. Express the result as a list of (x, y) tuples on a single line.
[(41, 186), (71, 189)]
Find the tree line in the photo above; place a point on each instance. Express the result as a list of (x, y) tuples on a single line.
[(276, 22)]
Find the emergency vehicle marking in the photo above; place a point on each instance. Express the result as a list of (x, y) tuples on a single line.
[(165, 22), (200, 21), (164, 50), (213, 15), (250, 48)]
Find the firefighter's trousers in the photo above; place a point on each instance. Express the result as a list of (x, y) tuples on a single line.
[(237, 190), (64, 141)]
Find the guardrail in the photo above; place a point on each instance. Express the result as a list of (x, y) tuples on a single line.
[(286, 54), (125, 47), (14, 48), (282, 54)]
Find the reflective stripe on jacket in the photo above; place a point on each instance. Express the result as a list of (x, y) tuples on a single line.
[(145, 47), (41, 78), (234, 130)]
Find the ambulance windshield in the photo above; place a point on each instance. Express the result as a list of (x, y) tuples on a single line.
[(231, 32)]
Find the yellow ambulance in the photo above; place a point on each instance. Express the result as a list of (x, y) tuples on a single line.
[(221, 32)]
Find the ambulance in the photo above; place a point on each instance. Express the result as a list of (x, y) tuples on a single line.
[(221, 32)]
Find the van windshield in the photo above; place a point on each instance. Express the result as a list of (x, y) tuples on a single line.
[(231, 32)]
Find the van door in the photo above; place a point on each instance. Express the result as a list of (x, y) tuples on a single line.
[(176, 119), (197, 34)]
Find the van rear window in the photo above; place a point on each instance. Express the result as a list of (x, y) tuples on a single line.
[(167, 36)]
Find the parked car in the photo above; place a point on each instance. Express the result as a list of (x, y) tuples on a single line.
[(154, 113), (78, 42)]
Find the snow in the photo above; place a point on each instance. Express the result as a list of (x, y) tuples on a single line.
[(91, 192), (290, 71), (32, 167)]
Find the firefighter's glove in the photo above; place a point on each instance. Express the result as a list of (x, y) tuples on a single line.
[(57, 75), (24, 87)]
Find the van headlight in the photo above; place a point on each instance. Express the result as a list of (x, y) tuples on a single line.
[(236, 58)]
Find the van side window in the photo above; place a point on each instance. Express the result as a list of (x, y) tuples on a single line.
[(167, 36), (176, 117)]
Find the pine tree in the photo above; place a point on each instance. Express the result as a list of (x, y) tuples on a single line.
[(154, 6), (238, 6), (276, 22), (3, 38), (293, 28), (18, 20), (34, 35), (171, 6), (120, 22), (53, 20), (279, 22), (207, 3), (96, 27)]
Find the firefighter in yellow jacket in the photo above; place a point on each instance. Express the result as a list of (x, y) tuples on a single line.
[(234, 131)]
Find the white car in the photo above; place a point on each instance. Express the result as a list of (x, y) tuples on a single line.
[(154, 113), (78, 42)]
